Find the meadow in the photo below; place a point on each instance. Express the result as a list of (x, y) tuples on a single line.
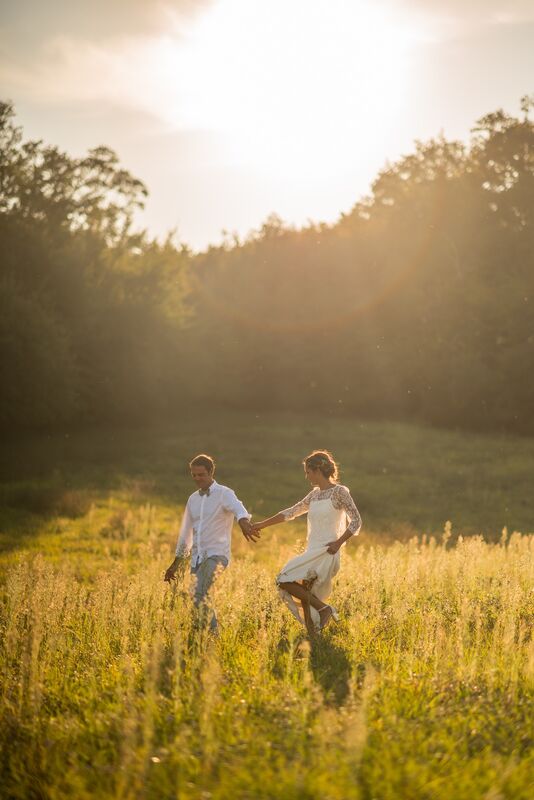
[(110, 687)]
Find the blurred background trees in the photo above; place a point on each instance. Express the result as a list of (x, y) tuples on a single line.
[(90, 310), (415, 305)]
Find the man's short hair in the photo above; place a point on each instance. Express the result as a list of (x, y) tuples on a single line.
[(203, 460)]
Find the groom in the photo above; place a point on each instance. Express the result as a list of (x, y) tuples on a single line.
[(206, 529)]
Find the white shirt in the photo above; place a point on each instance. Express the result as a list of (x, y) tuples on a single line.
[(207, 523)]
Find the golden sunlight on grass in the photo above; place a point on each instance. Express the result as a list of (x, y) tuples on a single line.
[(108, 689)]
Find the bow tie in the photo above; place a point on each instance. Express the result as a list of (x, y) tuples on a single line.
[(203, 492)]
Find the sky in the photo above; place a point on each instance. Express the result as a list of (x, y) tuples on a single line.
[(230, 110)]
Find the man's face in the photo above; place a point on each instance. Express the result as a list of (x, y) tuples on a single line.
[(202, 477)]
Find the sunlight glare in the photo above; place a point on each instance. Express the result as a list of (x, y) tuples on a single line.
[(290, 84)]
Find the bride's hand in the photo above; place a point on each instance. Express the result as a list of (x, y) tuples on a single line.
[(257, 526), (333, 547)]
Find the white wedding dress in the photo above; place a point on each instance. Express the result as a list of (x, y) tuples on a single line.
[(328, 510)]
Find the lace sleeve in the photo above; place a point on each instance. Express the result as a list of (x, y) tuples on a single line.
[(342, 498), (298, 509)]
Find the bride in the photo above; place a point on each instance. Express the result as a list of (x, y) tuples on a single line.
[(308, 577)]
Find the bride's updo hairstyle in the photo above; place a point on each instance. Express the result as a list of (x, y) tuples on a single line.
[(323, 460)]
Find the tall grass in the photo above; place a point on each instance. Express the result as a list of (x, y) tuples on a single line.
[(111, 688)]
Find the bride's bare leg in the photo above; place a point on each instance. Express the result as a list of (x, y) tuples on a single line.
[(304, 594), (307, 617), (310, 626)]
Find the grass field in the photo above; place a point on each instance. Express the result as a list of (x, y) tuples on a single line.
[(108, 688)]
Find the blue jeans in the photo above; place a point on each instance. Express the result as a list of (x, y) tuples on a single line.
[(205, 573)]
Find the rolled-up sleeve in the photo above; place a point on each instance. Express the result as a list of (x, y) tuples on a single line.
[(185, 538), (232, 503)]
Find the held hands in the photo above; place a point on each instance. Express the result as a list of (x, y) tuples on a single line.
[(333, 547), (250, 532)]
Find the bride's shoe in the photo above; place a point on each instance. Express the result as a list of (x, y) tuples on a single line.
[(333, 615)]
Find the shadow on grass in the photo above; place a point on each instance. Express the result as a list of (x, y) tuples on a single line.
[(331, 669), (46, 500), (16, 528), (28, 506)]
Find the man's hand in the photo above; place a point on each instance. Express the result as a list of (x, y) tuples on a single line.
[(170, 574), (249, 532), (333, 547)]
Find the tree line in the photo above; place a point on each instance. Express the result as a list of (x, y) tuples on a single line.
[(416, 305)]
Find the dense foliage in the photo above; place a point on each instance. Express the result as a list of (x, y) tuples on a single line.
[(416, 305), (90, 312)]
